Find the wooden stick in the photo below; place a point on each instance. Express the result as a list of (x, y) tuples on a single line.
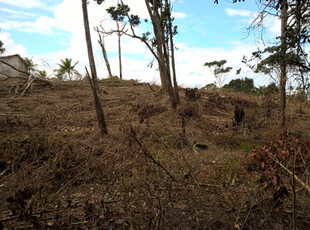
[(303, 184)]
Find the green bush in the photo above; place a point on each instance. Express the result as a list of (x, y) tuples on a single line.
[(245, 85)]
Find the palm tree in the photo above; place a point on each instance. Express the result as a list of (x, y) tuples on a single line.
[(66, 69), (31, 67), (42, 74)]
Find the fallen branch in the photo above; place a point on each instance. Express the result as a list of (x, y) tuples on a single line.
[(303, 184), (27, 85), (148, 84), (147, 154)]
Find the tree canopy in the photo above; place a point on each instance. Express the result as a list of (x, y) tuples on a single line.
[(160, 44), (66, 69), (218, 70), (31, 66), (245, 85)]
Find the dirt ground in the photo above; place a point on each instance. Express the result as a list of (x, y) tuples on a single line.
[(157, 168)]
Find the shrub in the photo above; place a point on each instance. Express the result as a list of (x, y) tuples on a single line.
[(273, 158)]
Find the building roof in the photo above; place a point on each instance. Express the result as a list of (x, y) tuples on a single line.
[(14, 55)]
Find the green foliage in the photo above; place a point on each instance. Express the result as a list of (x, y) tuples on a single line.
[(111, 77), (2, 49), (42, 74), (276, 58), (145, 36), (134, 20), (272, 88), (290, 52), (230, 173), (66, 69), (241, 85), (120, 12), (210, 86), (218, 70), (246, 147), (218, 66), (30, 65)]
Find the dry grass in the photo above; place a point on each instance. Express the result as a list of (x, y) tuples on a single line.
[(56, 171)]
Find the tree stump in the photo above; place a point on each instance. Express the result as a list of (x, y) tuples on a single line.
[(239, 115)]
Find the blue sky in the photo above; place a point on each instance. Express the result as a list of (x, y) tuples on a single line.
[(51, 30)]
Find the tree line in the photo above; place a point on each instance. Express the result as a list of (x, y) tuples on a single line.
[(245, 85)]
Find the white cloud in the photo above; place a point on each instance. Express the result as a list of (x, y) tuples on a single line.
[(179, 15), (42, 25), (16, 14), (275, 29), (26, 3), (137, 7), (242, 13), (189, 60), (10, 46)]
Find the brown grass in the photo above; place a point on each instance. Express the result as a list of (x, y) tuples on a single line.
[(56, 171)]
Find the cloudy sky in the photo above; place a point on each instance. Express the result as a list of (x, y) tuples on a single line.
[(51, 30)]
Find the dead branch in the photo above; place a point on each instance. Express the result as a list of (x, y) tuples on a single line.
[(148, 84), (27, 85), (303, 184), (147, 154), (26, 73)]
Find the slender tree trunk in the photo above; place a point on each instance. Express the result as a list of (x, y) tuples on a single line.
[(104, 52), (94, 82), (283, 67), (119, 51), (298, 16), (175, 83), (161, 50)]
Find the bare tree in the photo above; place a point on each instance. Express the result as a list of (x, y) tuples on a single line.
[(120, 31), (101, 42), (93, 78)]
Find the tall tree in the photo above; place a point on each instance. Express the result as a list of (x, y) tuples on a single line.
[(66, 69), (120, 32), (159, 18), (301, 35), (172, 32), (93, 78), (290, 54), (158, 45), (283, 65)]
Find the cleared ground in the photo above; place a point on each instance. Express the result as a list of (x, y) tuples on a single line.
[(148, 173)]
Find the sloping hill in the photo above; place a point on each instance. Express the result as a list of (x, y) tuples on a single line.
[(157, 168)]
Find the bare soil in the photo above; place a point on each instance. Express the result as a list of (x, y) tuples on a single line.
[(56, 172)]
